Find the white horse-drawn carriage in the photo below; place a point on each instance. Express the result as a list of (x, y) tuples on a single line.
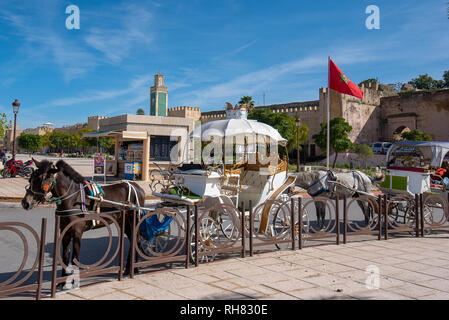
[(238, 179)]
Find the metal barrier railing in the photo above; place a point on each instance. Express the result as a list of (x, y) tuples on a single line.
[(200, 235)]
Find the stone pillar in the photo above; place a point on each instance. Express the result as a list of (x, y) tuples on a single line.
[(146, 159)]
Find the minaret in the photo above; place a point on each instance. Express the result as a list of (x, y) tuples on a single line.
[(158, 97)]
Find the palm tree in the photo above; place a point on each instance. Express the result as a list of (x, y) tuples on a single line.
[(248, 100)]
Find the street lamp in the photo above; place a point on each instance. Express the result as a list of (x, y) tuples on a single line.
[(298, 124), (15, 109)]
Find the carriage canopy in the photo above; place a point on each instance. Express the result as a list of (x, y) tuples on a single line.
[(433, 150)]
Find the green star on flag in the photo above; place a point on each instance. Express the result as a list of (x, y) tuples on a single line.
[(344, 78)]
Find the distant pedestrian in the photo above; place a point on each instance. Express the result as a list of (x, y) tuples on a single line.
[(3, 156), (60, 155)]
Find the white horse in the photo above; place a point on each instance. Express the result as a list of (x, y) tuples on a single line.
[(330, 185)]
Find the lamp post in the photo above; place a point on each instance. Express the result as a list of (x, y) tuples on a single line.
[(15, 109), (298, 124)]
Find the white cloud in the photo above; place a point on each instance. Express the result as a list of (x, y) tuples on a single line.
[(125, 29)]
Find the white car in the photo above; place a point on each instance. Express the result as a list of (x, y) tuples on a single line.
[(381, 147)]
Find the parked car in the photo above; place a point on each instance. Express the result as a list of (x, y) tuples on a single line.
[(381, 147)]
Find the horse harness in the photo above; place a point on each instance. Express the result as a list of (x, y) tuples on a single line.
[(321, 185)]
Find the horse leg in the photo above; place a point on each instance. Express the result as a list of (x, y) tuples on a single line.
[(77, 236), (66, 240), (366, 211), (320, 214)]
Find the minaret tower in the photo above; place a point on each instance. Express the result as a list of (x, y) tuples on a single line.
[(158, 97)]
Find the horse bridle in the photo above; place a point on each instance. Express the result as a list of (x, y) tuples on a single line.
[(47, 187)]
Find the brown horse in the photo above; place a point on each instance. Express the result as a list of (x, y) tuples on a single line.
[(63, 182)]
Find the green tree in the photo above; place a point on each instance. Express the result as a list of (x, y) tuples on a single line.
[(59, 139), (416, 135), (4, 124), (248, 100), (30, 142), (365, 152), (446, 78), (285, 124), (46, 142), (140, 112), (339, 139), (426, 82)]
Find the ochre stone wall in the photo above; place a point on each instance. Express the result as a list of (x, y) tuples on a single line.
[(422, 110)]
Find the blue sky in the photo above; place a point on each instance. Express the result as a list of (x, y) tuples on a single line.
[(209, 51)]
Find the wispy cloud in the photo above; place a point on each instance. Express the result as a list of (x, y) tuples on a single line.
[(123, 30), (234, 52), (136, 85), (44, 44)]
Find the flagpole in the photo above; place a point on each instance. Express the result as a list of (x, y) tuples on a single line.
[(328, 111)]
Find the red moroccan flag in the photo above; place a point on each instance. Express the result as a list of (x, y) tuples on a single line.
[(338, 81)]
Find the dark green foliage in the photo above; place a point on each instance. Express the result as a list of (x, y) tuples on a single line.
[(339, 139), (30, 142), (416, 135)]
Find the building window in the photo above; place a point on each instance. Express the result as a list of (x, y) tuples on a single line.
[(160, 148)]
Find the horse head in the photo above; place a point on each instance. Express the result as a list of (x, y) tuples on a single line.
[(379, 175), (306, 179), (40, 184)]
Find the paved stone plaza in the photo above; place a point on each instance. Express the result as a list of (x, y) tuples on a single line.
[(409, 268)]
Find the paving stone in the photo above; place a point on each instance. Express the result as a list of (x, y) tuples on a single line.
[(332, 268), (436, 272), (264, 289), (66, 296), (268, 277), (116, 295), (290, 285), (435, 262), (325, 280), (412, 290), (92, 291), (378, 295), (202, 291), (148, 292), (413, 266), (279, 296), (316, 294), (411, 276), (440, 284), (302, 273)]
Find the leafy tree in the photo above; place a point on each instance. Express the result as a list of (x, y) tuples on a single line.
[(285, 124), (426, 82), (365, 152), (416, 135), (339, 139), (140, 112), (4, 124), (106, 143), (30, 142), (446, 78), (46, 142), (248, 100)]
